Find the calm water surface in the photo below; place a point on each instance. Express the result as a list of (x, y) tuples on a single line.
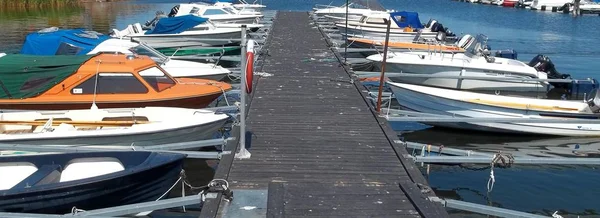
[(571, 43)]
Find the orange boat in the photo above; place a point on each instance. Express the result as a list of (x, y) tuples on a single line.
[(110, 80), (369, 43)]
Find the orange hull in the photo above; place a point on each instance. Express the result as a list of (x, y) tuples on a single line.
[(408, 45), (114, 81)]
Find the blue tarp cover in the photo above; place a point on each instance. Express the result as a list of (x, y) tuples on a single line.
[(62, 41), (174, 25), (406, 19)]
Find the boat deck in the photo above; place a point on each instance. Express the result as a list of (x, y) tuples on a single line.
[(318, 148)]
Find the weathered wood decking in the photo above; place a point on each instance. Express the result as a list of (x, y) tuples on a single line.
[(318, 147)]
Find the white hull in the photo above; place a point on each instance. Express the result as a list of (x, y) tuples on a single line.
[(426, 100), (380, 32), (236, 20), (548, 4), (465, 84), (186, 40), (452, 65), (164, 125)]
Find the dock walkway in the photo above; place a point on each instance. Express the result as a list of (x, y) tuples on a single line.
[(318, 147)]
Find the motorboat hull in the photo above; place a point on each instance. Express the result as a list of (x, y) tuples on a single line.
[(431, 104), (141, 184), (465, 84), (236, 20), (187, 134), (380, 34), (187, 102), (180, 40)]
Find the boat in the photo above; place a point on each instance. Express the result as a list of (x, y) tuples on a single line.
[(492, 73), (457, 103), (437, 45), (54, 41), (585, 7), (355, 9), (405, 26), (222, 13), (171, 32), (57, 183), (243, 6), (113, 126), (509, 3), (65, 82), (548, 4)]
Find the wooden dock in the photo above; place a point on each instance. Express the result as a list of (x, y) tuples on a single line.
[(318, 147)]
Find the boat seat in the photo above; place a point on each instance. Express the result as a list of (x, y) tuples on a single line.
[(44, 175), (83, 168), (137, 27), (14, 173)]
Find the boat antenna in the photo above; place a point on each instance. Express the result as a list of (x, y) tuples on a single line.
[(94, 106)]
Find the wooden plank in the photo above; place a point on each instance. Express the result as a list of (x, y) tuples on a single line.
[(317, 144), (275, 200)]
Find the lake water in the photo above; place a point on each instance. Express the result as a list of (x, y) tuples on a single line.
[(570, 42)]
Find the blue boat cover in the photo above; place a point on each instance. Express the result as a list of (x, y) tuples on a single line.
[(407, 19), (55, 41), (174, 25)]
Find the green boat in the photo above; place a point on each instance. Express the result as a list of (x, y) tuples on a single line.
[(230, 50)]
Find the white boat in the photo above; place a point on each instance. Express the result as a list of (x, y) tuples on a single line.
[(405, 26), (474, 62), (176, 68), (217, 13), (82, 42), (119, 126), (455, 103), (167, 35), (585, 7), (244, 6), (355, 9), (547, 4)]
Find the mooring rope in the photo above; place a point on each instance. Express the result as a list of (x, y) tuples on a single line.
[(499, 160)]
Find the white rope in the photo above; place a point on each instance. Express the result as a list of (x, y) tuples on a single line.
[(173, 186)]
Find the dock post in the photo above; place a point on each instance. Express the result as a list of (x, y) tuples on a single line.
[(243, 154), (383, 62)]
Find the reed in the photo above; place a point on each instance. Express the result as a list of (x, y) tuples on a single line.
[(36, 3)]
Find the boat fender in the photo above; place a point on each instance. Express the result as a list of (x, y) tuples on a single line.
[(249, 66)]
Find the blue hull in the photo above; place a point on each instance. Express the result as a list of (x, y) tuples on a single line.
[(146, 177)]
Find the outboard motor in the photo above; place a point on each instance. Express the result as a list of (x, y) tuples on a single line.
[(465, 41), (544, 64), (430, 23), (435, 27), (151, 23), (174, 11), (593, 101)]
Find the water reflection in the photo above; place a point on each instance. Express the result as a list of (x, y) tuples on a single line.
[(17, 22)]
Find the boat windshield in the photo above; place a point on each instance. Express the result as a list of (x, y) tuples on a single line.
[(478, 46), (156, 78), (143, 49), (229, 10)]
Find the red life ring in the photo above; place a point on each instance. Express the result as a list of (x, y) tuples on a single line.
[(249, 66)]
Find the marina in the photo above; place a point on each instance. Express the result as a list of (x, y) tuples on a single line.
[(359, 108)]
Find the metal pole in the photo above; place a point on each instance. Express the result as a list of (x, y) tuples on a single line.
[(346, 47), (517, 160), (382, 78), (483, 209), (243, 91)]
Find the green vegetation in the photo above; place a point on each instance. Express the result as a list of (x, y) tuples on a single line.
[(16, 9)]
